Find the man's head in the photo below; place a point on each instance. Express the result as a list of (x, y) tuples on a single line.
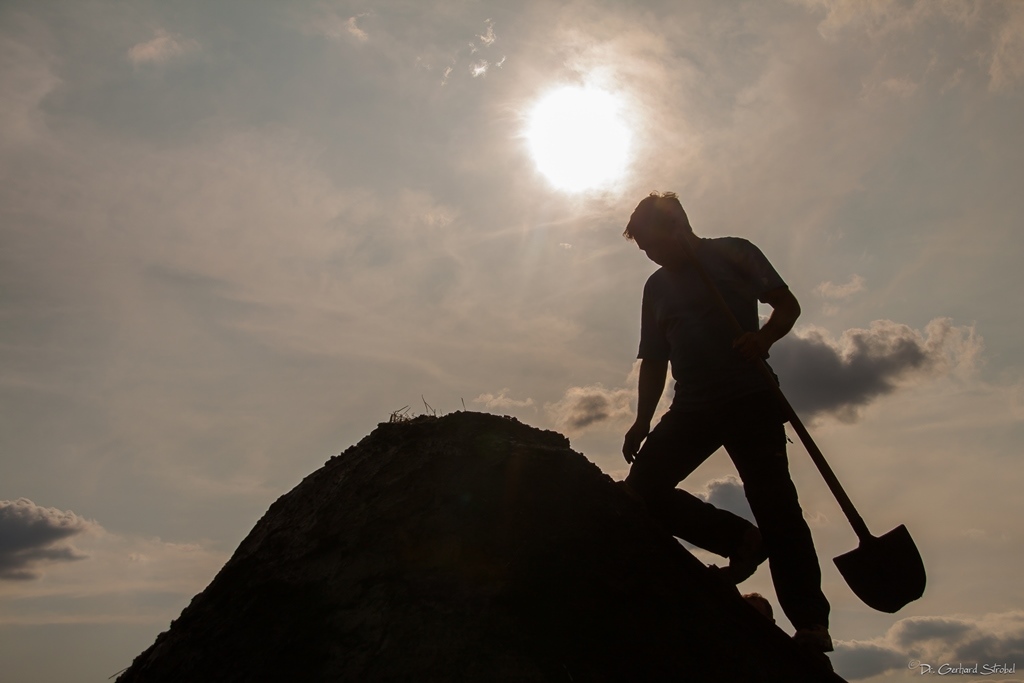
[(657, 211), (657, 225)]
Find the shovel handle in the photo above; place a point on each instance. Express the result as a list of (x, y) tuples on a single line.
[(856, 521)]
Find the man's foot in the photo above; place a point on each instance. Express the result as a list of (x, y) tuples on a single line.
[(814, 638), (745, 558)]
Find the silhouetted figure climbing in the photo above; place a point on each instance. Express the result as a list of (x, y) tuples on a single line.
[(721, 399)]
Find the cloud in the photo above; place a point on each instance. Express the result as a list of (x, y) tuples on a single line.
[(911, 632), (1000, 21), (27, 77), (334, 26), (583, 407), (30, 535), (833, 292), (1007, 65), (827, 290), (820, 374), (854, 660), (488, 37), (502, 401), (353, 29), (882, 16), (479, 68), (933, 641), (160, 49), (901, 87), (727, 493), (127, 580)]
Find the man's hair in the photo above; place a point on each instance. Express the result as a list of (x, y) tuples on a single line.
[(660, 210)]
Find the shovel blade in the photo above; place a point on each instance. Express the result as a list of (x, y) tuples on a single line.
[(886, 572)]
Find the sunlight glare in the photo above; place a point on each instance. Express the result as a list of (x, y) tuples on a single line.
[(578, 138)]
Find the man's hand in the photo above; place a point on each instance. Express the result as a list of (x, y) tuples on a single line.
[(752, 345), (785, 311), (651, 384), (634, 437)]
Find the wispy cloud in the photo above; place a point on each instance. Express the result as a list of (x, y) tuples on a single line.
[(883, 16), (1001, 22), (1007, 66), (162, 48), (352, 28), (502, 401), (27, 77), (479, 68), (828, 290), (488, 37), (328, 22), (832, 293)]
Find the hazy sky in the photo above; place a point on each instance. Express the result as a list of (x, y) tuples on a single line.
[(235, 236)]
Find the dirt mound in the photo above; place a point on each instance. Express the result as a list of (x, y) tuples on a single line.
[(469, 547)]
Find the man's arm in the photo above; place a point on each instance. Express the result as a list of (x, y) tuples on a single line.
[(651, 386), (785, 311)]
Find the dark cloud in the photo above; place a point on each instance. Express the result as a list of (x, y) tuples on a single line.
[(727, 493), (996, 638), (992, 648), (589, 409), (855, 660), (839, 377), (991, 639), (30, 535), (582, 407), (909, 632)]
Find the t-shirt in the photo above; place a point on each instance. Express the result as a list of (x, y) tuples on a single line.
[(681, 322)]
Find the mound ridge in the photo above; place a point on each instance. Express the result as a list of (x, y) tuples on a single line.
[(468, 547)]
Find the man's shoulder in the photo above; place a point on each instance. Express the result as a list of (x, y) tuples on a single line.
[(657, 285), (745, 258), (728, 244), (738, 251), (657, 276)]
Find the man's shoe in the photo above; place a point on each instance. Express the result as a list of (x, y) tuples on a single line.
[(745, 558), (814, 638)]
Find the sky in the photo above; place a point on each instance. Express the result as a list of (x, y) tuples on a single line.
[(236, 236)]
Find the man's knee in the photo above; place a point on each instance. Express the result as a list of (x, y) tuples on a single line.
[(646, 482), (654, 491)]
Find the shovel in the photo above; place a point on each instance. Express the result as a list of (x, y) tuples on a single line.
[(886, 572)]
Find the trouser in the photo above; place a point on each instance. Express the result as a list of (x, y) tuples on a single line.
[(751, 430)]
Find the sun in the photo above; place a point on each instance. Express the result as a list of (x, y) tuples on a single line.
[(579, 138)]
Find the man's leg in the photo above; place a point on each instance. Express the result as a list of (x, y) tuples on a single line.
[(757, 446), (677, 445)]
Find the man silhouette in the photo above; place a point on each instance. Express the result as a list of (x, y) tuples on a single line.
[(721, 399)]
